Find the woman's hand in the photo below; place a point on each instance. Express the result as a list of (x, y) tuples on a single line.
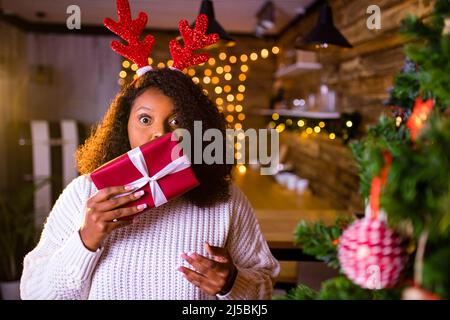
[(212, 276), (103, 214)]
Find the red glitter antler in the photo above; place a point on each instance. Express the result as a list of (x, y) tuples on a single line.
[(193, 39), (130, 30)]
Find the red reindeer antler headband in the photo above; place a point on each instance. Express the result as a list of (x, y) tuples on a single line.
[(138, 51)]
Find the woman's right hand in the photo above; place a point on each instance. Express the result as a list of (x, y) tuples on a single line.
[(103, 214)]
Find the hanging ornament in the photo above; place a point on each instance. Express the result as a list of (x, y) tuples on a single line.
[(419, 116), (370, 253)]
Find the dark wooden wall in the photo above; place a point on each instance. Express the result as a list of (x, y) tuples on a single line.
[(361, 77)]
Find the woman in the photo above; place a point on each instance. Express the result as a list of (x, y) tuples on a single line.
[(206, 244)]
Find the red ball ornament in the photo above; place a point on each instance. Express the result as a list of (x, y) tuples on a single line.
[(371, 254)]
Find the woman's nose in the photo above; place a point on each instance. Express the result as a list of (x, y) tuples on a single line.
[(159, 130), (156, 135)]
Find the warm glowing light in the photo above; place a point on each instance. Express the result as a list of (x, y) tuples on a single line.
[(214, 80), (229, 118), (222, 56), (241, 136), (211, 61), (241, 116), (218, 90), (135, 77), (134, 67), (219, 70), (206, 80), (233, 59), (275, 116), (126, 64), (244, 68), (239, 97), (170, 63), (241, 88), (398, 121), (208, 72), (238, 126), (317, 129), (301, 123), (281, 127), (230, 98), (322, 124), (238, 145), (195, 80), (254, 56), (227, 88), (230, 108), (238, 155), (242, 77), (161, 65), (219, 101), (332, 136), (309, 131), (205, 92), (227, 68), (150, 61), (272, 125), (191, 72), (242, 169), (264, 53), (220, 108), (275, 50), (228, 76), (349, 124), (244, 58), (122, 74), (238, 108)]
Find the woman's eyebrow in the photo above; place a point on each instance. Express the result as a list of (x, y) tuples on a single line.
[(145, 107)]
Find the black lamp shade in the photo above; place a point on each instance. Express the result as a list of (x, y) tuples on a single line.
[(325, 32), (213, 26)]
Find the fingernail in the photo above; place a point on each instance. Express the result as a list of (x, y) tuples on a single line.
[(180, 269), (184, 256), (129, 188), (139, 194), (142, 206)]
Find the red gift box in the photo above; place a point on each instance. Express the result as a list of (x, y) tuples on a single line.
[(151, 168)]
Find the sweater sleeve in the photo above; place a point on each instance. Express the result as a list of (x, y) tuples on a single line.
[(256, 267), (60, 267)]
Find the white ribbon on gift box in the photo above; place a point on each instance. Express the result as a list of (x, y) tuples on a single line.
[(137, 158)]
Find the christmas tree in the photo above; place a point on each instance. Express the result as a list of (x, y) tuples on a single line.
[(404, 163)]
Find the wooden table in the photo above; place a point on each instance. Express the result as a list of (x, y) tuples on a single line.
[(279, 211)]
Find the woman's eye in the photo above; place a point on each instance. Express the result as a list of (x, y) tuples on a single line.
[(174, 122), (145, 120)]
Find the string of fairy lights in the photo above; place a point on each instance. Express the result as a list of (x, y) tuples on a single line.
[(309, 127), (223, 79), (345, 127)]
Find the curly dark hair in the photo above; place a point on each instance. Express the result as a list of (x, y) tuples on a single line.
[(110, 137)]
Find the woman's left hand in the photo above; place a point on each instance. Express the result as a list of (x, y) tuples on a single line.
[(212, 276)]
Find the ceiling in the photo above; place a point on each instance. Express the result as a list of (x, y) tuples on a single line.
[(236, 16)]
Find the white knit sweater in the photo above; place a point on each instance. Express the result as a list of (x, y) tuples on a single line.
[(140, 261)]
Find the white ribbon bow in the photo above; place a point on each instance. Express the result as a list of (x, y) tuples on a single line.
[(137, 158)]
